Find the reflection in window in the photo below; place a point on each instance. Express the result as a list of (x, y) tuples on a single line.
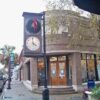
[(70, 68), (53, 70), (91, 68), (61, 69), (90, 56), (41, 74), (83, 56), (53, 58), (61, 58), (98, 68), (88, 65), (84, 70), (98, 57)]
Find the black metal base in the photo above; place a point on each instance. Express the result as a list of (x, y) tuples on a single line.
[(9, 84), (9, 87), (45, 94)]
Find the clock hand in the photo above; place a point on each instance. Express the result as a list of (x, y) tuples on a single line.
[(34, 43)]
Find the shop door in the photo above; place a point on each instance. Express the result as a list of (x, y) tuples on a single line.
[(58, 73)]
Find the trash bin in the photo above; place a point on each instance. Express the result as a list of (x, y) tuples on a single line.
[(91, 84), (45, 94)]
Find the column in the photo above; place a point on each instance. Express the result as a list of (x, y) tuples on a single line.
[(76, 71), (25, 72), (34, 72)]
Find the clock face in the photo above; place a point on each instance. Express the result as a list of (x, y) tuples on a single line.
[(33, 43), (33, 26)]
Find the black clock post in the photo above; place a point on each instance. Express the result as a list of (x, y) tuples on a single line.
[(46, 90), (35, 42)]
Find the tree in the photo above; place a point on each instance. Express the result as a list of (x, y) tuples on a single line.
[(95, 23), (59, 4), (87, 35), (6, 50)]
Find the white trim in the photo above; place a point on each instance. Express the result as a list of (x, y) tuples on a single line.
[(27, 83), (77, 87), (71, 51), (58, 86), (27, 60)]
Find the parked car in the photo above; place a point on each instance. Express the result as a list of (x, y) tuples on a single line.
[(2, 83)]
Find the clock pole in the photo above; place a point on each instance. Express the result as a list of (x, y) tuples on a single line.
[(46, 90)]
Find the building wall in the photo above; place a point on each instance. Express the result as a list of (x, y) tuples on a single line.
[(75, 38), (33, 65), (79, 36)]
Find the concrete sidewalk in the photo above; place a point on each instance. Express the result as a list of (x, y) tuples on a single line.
[(18, 92)]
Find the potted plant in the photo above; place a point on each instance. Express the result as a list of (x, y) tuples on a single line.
[(95, 93)]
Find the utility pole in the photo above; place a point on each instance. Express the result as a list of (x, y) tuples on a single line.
[(10, 68)]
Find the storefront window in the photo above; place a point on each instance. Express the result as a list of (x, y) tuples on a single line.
[(70, 68), (61, 69), (53, 70), (88, 67), (91, 66), (41, 75), (53, 58), (83, 56), (98, 68), (91, 69), (62, 58), (84, 70)]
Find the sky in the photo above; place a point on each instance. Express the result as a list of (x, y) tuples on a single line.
[(11, 20)]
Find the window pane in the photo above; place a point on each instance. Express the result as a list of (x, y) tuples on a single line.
[(98, 68), (61, 58), (53, 58), (92, 56), (83, 56), (41, 74), (88, 56), (84, 70), (91, 68), (98, 57)]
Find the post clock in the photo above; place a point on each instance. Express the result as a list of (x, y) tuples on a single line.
[(33, 34)]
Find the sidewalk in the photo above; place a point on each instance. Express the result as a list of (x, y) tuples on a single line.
[(18, 92)]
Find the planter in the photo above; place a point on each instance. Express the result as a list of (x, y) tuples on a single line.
[(91, 98), (94, 94)]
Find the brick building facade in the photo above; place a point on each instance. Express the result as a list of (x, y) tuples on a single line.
[(72, 51)]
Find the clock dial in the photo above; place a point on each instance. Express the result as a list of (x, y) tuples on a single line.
[(33, 26), (33, 43)]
